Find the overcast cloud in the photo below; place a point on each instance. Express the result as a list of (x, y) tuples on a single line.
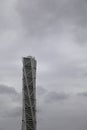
[(55, 32), (10, 108)]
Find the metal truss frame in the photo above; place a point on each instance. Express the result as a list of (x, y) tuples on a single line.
[(29, 94)]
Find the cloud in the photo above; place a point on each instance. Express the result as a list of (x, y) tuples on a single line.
[(53, 97), (41, 90), (8, 15), (55, 33), (11, 92), (39, 17), (15, 112), (7, 90), (70, 114), (10, 102), (10, 107), (83, 94), (45, 17)]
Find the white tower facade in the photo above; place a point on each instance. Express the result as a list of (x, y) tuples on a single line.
[(29, 94)]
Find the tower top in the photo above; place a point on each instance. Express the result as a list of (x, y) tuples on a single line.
[(29, 57)]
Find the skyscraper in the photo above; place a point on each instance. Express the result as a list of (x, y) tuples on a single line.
[(29, 94)]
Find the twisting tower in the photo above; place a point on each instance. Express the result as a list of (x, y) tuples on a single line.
[(29, 94)]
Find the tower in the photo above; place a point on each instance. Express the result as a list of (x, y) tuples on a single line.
[(29, 94)]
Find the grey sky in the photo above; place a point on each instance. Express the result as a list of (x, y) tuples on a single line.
[(55, 32)]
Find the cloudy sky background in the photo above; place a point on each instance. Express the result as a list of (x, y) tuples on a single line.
[(55, 32)]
